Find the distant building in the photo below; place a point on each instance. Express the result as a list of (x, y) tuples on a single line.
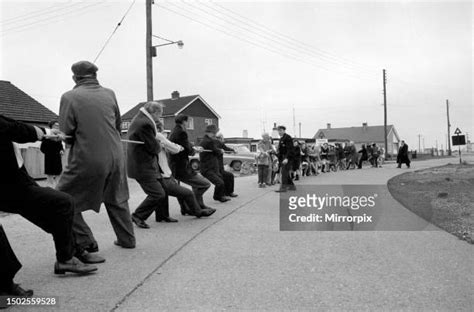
[(199, 111), (16, 104), (360, 135)]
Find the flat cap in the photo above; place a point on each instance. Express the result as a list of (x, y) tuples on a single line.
[(84, 69)]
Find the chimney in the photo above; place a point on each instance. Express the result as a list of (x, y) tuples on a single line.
[(274, 133), (364, 125), (175, 95), (328, 126), (245, 134)]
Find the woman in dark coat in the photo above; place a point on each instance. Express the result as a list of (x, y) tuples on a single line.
[(363, 156), (52, 150)]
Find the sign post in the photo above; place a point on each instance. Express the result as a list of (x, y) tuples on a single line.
[(458, 140)]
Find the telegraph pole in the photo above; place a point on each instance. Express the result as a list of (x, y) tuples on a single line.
[(449, 128), (300, 130), (385, 112), (149, 56), (419, 143)]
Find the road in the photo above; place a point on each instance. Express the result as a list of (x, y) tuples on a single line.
[(239, 260)]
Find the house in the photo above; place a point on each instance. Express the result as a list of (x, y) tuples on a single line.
[(360, 135), (16, 104), (199, 111)]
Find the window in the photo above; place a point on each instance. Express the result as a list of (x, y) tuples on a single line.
[(190, 123), (125, 125), (208, 121)]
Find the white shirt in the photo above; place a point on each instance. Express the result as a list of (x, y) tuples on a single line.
[(166, 146), (16, 147)]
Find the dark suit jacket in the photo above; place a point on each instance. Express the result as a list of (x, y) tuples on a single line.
[(285, 148), (210, 160), (222, 145), (142, 159), (179, 162), (13, 131)]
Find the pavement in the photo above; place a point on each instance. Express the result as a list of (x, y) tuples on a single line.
[(238, 259)]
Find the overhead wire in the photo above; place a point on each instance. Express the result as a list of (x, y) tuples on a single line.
[(264, 45), (115, 30), (51, 19), (280, 43), (42, 12)]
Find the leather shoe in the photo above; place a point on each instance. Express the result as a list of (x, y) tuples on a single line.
[(222, 199), (233, 195), (73, 266), (86, 257), (16, 291), (116, 243), (139, 222), (166, 219), (92, 248), (207, 212)]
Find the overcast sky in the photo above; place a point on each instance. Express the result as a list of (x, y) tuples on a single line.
[(257, 62)]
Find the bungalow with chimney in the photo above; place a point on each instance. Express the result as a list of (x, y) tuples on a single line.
[(362, 135), (199, 111)]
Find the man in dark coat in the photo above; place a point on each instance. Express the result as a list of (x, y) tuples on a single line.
[(179, 162), (95, 174), (285, 158), (209, 159), (49, 209), (402, 157), (142, 163), (226, 175)]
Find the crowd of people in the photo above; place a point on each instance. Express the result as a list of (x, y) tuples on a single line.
[(96, 173), (300, 159)]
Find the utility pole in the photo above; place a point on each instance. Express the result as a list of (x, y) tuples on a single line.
[(419, 143), (294, 122), (385, 112), (300, 130), (449, 128), (149, 56)]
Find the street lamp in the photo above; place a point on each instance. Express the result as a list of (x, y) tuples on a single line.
[(179, 43)]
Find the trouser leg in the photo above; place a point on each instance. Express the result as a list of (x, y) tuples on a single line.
[(47, 208), (119, 215), (260, 174), (286, 180), (199, 185), (216, 179), (229, 182), (82, 233), (154, 200), (184, 195), (9, 263)]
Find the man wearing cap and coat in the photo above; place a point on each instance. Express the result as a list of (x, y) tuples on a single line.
[(95, 174), (209, 159)]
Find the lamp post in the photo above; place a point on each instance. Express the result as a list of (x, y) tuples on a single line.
[(151, 49)]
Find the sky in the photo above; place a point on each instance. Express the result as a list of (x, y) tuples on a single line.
[(260, 62)]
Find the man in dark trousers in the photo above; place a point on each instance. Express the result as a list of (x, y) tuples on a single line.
[(402, 157), (209, 159), (49, 209), (142, 163), (179, 162), (226, 175), (286, 159)]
